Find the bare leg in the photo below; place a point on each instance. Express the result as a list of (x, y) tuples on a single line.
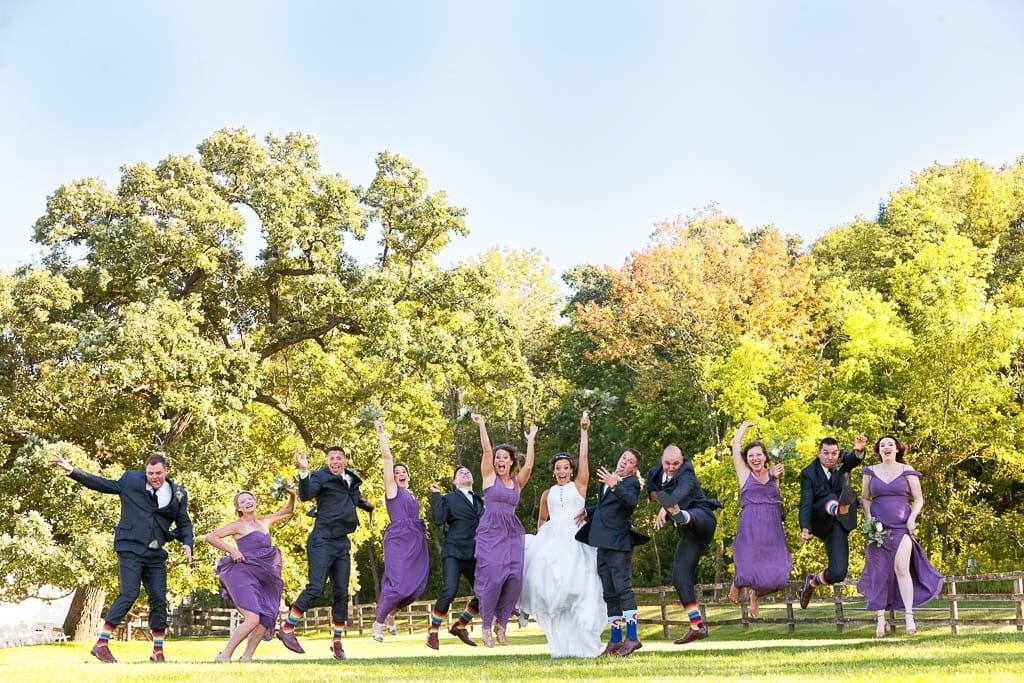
[(734, 594), (901, 565), (881, 626), (252, 642), (251, 620), (755, 606)]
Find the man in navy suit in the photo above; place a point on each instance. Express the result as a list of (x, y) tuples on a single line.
[(150, 505), (673, 484), (328, 550), (610, 530), (828, 509), (459, 513)]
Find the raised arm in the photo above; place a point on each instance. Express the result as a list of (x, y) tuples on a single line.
[(583, 465), (738, 462), (390, 487), (284, 513), (523, 475), (486, 454)]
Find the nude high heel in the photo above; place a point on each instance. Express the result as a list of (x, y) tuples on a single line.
[(911, 626), (881, 628)]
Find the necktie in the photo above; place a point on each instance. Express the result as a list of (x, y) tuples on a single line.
[(664, 479), (156, 500)]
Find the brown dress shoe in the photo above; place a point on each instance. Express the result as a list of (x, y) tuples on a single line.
[(102, 653), (432, 641), (157, 658), (290, 641), (806, 593), (611, 648), (462, 633), (628, 647), (337, 650), (692, 634)]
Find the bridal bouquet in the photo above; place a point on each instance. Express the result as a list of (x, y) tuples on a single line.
[(368, 413), (874, 532)]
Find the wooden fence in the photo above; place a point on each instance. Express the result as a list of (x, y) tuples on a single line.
[(989, 600)]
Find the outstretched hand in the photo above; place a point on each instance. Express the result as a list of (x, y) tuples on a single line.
[(860, 442), (532, 434), (58, 461), (301, 461)]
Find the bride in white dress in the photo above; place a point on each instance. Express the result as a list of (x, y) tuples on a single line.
[(561, 589)]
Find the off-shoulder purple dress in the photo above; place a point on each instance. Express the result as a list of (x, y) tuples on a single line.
[(890, 504), (406, 561), (254, 585)]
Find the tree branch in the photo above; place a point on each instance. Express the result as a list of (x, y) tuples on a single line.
[(333, 322), (300, 425)]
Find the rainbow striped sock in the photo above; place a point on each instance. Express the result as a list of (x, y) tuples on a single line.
[(294, 614), (436, 618), (158, 640), (105, 632), (819, 579), (832, 508), (338, 631), (693, 614)]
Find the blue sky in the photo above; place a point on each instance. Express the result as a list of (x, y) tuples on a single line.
[(569, 126)]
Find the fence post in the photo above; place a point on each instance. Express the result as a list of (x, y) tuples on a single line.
[(837, 594), (664, 611), (954, 609), (1018, 588)]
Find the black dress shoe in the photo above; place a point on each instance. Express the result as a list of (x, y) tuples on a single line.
[(628, 647), (290, 641), (665, 501), (102, 653), (846, 498), (806, 593), (692, 634), (337, 651), (432, 641), (462, 633)]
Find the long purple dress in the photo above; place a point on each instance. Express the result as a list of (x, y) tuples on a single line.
[(254, 585), (406, 562), (890, 504), (763, 562), (500, 551)]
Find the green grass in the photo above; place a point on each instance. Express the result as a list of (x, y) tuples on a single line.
[(762, 653)]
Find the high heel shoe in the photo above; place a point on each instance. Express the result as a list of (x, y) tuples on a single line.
[(389, 624), (881, 628), (734, 595), (377, 632), (911, 626), (487, 637), (499, 632), (221, 659)]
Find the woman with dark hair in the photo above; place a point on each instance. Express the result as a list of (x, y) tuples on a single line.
[(250, 573), (406, 560), (561, 588), (500, 536), (763, 562), (897, 573)]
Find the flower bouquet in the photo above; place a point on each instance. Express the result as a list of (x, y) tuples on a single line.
[(781, 451), (368, 413), (279, 487), (874, 532)]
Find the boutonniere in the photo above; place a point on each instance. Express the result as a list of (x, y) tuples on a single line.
[(178, 493)]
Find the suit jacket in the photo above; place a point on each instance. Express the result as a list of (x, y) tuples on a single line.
[(609, 524), (815, 489), (336, 501), (683, 488), (459, 519), (141, 520)]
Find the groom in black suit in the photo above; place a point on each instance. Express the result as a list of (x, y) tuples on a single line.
[(828, 509), (150, 505), (459, 512), (610, 530)]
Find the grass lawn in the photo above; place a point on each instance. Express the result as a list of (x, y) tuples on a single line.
[(762, 653)]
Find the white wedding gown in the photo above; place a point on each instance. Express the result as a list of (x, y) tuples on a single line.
[(561, 589)]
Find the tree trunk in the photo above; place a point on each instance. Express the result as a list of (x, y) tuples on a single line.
[(84, 620)]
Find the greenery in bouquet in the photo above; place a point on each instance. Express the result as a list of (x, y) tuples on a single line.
[(368, 413), (594, 401), (780, 451), (465, 413), (279, 487), (873, 532)]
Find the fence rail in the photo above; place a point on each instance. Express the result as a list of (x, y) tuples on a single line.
[(994, 600)]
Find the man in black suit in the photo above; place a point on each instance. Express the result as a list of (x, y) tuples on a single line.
[(673, 484), (458, 512), (610, 530), (828, 509), (328, 550), (150, 505)]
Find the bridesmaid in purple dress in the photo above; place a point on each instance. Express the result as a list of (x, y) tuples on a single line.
[(406, 561), (250, 574), (897, 573), (500, 536), (762, 559)]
